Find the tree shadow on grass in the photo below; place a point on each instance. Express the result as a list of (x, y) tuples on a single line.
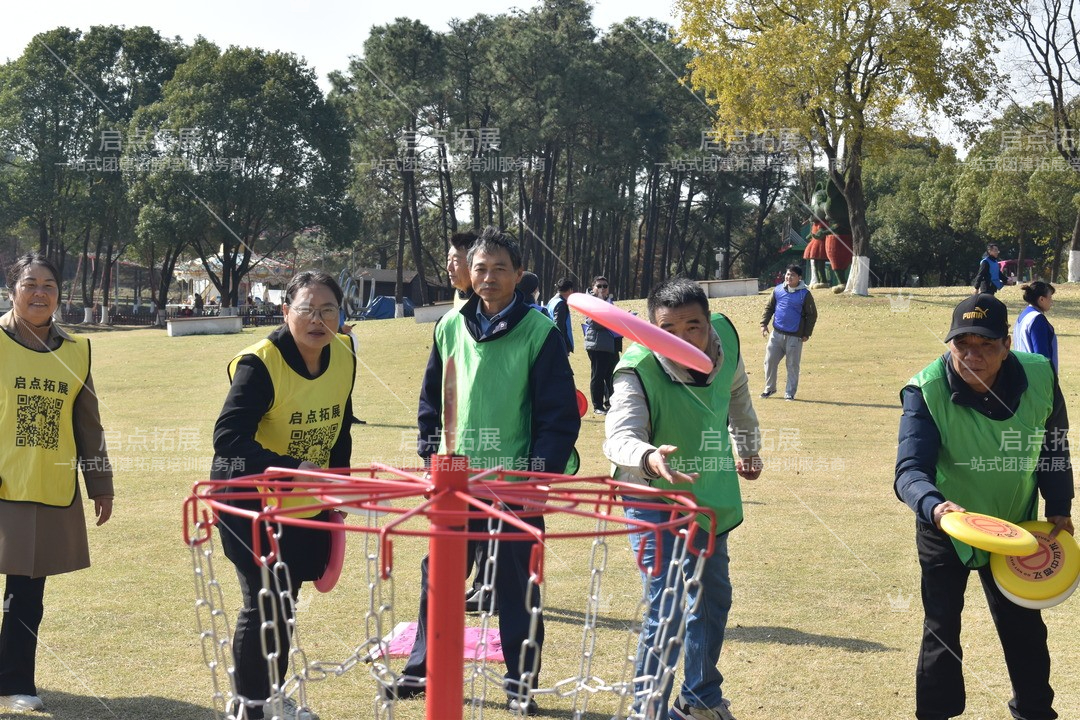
[(850, 404), (791, 636), (83, 329), (374, 424), (576, 617), (70, 706), (548, 707)]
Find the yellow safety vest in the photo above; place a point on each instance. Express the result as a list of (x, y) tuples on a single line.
[(306, 416), (38, 457)]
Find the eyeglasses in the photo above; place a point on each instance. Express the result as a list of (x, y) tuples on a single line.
[(601, 287), (326, 313)]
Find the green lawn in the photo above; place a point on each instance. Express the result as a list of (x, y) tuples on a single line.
[(826, 620)]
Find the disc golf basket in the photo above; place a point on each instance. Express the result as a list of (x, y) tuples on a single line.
[(387, 504)]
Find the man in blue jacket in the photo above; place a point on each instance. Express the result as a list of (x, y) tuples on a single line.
[(985, 430), (793, 313), (560, 311)]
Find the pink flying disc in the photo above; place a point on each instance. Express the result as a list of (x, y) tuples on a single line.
[(330, 576), (659, 341), (582, 403)]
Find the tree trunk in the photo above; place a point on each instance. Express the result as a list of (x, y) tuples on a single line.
[(652, 223), (725, 258), (446, 188), (399, 284), (1074, 252), (859, 278), (628, 220), (414, 234)]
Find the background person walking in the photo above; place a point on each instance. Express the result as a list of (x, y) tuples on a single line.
[(988, 280), (603, 347), (793, 313)]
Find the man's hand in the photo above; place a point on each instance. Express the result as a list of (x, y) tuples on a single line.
[(1061, 522), (103, 509), (805, 338), (749, 468), (764, 331), (946, 507), (658, 465)]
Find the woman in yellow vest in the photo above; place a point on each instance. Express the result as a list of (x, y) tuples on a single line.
[(51, 426), (289, 405)]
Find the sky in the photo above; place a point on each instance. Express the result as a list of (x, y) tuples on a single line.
[(324, 32)]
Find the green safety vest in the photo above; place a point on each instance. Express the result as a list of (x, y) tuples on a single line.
[(38, 455), (988, 466), (494, 399), (306, 416), (694, 418)]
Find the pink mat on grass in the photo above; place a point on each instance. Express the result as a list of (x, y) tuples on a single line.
[(403, 635)]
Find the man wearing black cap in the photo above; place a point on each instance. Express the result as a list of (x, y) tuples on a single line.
[(982, 430)]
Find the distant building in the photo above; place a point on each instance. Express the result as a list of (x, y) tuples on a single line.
[(385, 280)]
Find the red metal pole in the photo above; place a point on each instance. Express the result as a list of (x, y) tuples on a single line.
[(447, 550)]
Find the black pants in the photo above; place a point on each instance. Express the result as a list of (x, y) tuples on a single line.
[(480, 556), (939, 678), (516, 604), (600, 381), (252, 673), (23, 609)]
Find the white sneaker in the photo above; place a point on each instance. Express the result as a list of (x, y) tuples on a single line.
[(681, 710), (21, 703)]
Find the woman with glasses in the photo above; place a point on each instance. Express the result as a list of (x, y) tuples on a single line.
[(603, 347), (289, 405)]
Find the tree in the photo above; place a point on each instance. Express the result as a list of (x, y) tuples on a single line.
[(47, 122), (1050, 31), (765, 69), (392, 99), (247, 137), (64, 107)]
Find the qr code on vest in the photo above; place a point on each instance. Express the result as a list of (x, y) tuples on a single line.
[(37, 423), (313, 445)]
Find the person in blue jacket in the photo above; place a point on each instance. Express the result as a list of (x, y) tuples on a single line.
[(988, 280), (560, 311), (793, 314), (1033, 333)]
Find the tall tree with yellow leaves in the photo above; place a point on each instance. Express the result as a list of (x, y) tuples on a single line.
[(834, 70)]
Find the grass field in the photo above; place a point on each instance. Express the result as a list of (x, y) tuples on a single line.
[(826, 620)]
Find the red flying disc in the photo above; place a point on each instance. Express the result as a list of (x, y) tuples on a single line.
[(330, 576), (641, 331), (582, 403)]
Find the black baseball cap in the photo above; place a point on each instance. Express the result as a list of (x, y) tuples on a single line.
[(981, 314)]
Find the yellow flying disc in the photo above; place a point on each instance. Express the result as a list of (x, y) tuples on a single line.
[(989, 533), (1050, 573), (1040, 604)]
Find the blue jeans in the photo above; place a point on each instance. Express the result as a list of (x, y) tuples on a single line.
[(707, 604)]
